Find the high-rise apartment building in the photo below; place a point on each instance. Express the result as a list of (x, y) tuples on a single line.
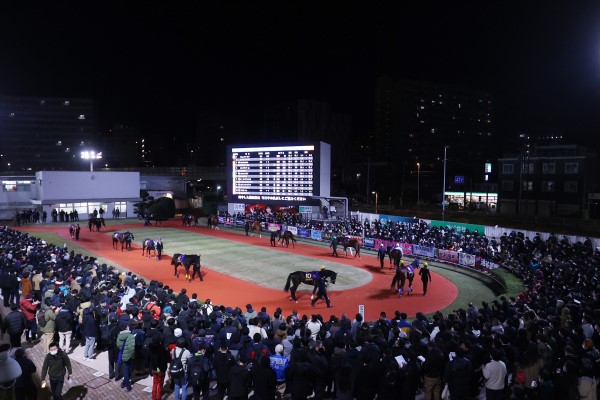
[(45, 133), (415, 120)]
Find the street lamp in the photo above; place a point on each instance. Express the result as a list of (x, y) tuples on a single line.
[(444, 186), (91, 155), (218, 188), (376, 201), (418, 186)]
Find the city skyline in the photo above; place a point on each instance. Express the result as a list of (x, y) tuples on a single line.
[(158, 67)]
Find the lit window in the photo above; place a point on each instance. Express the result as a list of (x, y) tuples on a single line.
[(81, 116), (59, 143), (66, 102), (571, 168), (12, 114), (42, 102), (527, 186), (432, 130)]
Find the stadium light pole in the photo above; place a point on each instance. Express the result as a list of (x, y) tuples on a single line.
[(91, 155), (444, 186), (418, 187), (376, 202)]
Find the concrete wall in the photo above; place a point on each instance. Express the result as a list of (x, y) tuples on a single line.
[(56, 185)]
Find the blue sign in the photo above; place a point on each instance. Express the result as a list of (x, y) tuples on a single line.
[(459, 179)]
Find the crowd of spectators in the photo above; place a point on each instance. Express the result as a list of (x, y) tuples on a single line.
[(540, 344)]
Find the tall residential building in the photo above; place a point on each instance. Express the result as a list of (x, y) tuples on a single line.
[(122, 147), (45, 133), (415, 120)]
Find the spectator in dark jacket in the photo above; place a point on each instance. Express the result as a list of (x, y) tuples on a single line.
[(301, 376), (64, 325), (265, 381), (15, 324), (25, 388), (223, 361), (89, 330), (458, 376), (240, 379)]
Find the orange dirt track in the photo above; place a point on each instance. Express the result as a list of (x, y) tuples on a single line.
[(376, 296)]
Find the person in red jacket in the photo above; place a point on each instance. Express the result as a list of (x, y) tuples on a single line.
[(29, 307)]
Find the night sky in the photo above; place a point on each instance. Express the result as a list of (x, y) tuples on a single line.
[(156, 65)]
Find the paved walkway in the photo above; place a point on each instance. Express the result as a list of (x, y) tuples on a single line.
[(90, 379)]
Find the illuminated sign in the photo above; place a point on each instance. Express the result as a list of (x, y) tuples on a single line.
[(273, 173)]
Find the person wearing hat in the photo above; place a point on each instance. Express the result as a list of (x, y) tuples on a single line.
[(279, 364), (425, 277), (381, 254), (321, 291)]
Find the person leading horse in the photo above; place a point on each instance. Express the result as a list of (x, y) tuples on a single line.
[(296, 278)]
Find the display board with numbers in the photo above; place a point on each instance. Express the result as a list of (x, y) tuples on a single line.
[(286, 173)]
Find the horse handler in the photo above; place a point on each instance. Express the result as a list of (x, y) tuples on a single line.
[(321, 292), (334, 245), (273, 238), (425, 277), (196, 270), (381, 252)]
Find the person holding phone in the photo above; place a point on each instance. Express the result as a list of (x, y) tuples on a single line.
[(56, 363)]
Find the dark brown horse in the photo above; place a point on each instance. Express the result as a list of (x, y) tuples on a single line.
[(187, 260), (403, 273), (214, 222), (147, 245), (285, 237), (125, 238), (256, 228), (395, 256), (351, 243)]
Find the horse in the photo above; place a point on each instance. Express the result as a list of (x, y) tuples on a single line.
[(395, 254), (96, 222), (125, 238), (187, 260), (147, 245), (256, 226), (71, 228), (351, 243), (286, 237), (403, 273), (214, 222), (296, 278)]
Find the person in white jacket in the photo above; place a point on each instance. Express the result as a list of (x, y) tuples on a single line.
[(494, 373)]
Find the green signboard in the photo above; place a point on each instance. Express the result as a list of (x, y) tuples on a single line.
[(459, 226)]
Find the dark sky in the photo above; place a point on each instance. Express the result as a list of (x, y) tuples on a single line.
[(157, 64)]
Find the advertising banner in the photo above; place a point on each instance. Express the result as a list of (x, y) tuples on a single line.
[(460, 227), (423, 250), (315, 234), (394, 218), (273, 227), (448, 255), (221, 220), (293, 229), (369, 242), (407, 248), (486, 265), (466, 259), (304, 232), (326, 236), (239, 222)]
